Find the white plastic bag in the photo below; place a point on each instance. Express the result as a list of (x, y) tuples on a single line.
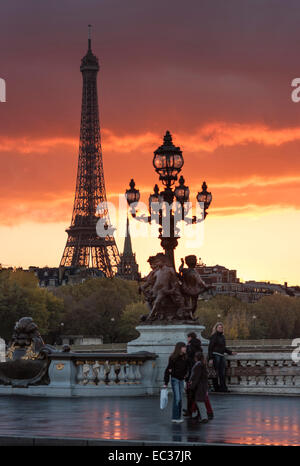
[(163, 398)]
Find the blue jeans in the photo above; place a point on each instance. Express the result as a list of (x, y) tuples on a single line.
[(177, 387), (220, 367)]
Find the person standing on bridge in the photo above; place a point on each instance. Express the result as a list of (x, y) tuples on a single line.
[(216, 356), (177, 369), (194, 346)]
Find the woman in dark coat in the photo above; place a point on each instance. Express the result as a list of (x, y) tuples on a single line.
[(194, 346), (216, 356), (199, 385)]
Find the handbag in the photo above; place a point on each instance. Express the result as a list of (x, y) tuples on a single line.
[(211, 373), (163, 398)]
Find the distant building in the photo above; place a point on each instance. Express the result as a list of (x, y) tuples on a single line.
[(217, 274), (81, 340), (295, 290), (225, 282), (51, 277), (128, 268)]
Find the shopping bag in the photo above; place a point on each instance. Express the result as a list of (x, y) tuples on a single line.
[(163, 398), (194, 408)]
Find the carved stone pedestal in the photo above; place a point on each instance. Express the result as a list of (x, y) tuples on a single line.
[(161, 340)]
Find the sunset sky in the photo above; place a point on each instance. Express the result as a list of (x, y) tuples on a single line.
[(216, 73)]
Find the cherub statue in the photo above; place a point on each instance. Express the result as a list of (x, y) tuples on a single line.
[(191, 283), (166, 285), (146, 284), (161, 289), (171, 296)]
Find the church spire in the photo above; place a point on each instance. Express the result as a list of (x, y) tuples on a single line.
[(128, 268), (127, 243)]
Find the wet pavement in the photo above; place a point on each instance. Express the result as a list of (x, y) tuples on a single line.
[(239, 419)]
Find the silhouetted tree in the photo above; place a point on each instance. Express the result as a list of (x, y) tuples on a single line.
[(95, 307), (20, 296)]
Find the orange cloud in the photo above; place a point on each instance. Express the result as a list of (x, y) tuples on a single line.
[(206, 138), (246, 166), (210, 137), (18, 211)]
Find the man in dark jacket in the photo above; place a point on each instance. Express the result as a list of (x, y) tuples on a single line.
[(194, 346)]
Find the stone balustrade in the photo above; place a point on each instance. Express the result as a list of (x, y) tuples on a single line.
[(103, 374), (263, 373), (95, 374), (122, 370), (141, 373)]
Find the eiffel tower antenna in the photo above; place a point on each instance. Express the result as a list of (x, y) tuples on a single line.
[(90, 37)]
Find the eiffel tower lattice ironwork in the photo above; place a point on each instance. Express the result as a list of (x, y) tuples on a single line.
[(84, 247)]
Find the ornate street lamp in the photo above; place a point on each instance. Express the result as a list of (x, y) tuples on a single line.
[(132, 195), (182, 192), (182, 196), (154, 198), (205, 197), (112, 328), (168, 162), (254, 322)]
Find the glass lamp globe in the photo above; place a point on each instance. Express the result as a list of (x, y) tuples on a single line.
[(168, 160), (132, 195)]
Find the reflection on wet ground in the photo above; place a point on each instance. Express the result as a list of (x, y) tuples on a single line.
[(239, 419)]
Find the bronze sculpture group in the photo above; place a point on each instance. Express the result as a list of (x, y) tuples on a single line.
[(172, 296), (27, 358)]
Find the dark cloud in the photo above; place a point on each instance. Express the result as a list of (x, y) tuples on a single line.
[(163, 63)]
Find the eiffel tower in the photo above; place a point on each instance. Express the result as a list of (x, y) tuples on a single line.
[(84, 247)]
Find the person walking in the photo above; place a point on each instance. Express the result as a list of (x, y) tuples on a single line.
[(194, 345), (177, 369), (199, 385), (216, 356), (192, 410)]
